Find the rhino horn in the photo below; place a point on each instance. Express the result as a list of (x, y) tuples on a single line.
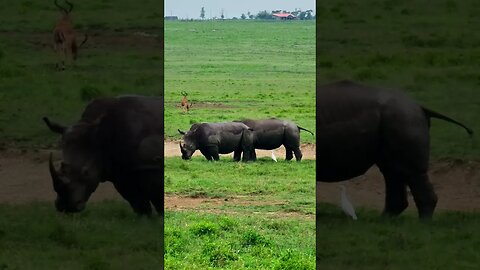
[(181, 147), (181, 132), (56, 177)]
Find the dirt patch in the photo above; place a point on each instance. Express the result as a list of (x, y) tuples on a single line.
[(212, 205), (200, 105), (172, 149), (457, 184), (178, 202), (24, 177)]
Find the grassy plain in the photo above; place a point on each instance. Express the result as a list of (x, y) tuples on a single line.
[(450, 241), (239, 69), (233, 70), (122, 56), (264, 221), (105, 236), (200, 240), (430, 50)]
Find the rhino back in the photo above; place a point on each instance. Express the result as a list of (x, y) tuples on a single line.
[(131, 132), (270, 133), (226, 135), (359, 125), (348, 121)]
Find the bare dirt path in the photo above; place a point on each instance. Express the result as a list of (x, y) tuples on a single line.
[(24, 178), (457, 184), (172, 149)]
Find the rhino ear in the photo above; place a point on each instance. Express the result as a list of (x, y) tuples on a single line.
[(55, 127), (181, 132)]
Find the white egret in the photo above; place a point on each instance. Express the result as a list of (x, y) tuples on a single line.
[(347, 206), (273, 156)]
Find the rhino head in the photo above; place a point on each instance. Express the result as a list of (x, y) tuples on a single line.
[(80, 171), (189, 146)]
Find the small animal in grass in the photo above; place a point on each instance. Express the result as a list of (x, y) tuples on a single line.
[(64, 42), (185, 105), (346, 205)]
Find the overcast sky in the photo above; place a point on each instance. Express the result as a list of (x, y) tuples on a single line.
[(231, 8)]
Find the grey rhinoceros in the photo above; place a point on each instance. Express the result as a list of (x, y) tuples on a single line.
[(271, 133), (359, 126), (118, 140), (213, 139)]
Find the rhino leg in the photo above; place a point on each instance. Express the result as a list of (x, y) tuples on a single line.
[(423, 194), (206, 154), (395, 195), (253, 155), (151, 185), (247, 155), (212, 151), (134, 196), (237, 155), (298, 154), (289, 154)]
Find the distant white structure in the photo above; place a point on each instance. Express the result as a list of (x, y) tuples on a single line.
[(273, 156), (346, 205)]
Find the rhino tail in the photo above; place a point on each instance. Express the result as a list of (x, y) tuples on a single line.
[(433, 114), (301, 128)]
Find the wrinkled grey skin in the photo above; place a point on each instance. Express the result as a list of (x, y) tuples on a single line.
[(118, 140), (271, 133), (213, 139), (359, 126)]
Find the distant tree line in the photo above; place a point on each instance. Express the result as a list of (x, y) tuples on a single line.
[(265, 15)]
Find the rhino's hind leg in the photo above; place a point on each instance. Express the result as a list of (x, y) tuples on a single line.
[(424, 195), (288, 154), (298, 153), (249, 155), (395, 195), (151, 186), (254, 155)]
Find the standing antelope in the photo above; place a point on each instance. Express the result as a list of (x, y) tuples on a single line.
[(185, 105), (64, 42)]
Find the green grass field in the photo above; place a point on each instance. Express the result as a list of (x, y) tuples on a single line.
[(450, 241), (233, 70), (265, 219), (196, 240), (431, 50), (106, 236), (239, 69)]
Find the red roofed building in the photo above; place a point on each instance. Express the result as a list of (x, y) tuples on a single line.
[(284, 16)]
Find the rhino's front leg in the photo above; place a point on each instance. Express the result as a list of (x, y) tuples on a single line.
[(213, 152), (132, 193), (206, 154)]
